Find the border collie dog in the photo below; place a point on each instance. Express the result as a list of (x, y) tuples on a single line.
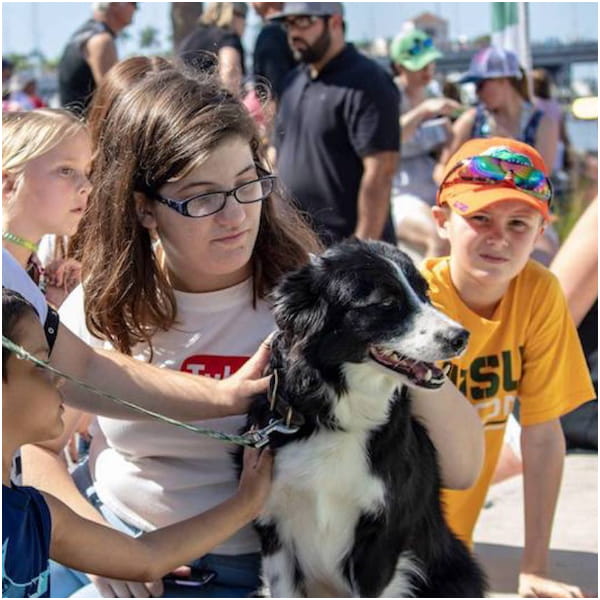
[(355, 505)]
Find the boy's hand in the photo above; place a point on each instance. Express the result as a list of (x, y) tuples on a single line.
[(255, 481), (537, 586)]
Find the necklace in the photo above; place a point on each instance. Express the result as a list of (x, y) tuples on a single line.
[(16, 239)]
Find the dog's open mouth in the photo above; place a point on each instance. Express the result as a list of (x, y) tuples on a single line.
[(422, 374)]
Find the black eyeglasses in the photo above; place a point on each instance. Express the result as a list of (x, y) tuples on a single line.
[(420, 45), (204, 205), (300, 21)]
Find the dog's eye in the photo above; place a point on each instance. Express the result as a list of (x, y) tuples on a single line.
[(387, 302)]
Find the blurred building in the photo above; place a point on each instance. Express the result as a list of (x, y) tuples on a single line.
[(434, 26)]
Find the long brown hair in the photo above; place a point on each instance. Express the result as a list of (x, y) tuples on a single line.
[(164, 125), (119, 78)]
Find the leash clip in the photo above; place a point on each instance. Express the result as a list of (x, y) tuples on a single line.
[(260, 437)]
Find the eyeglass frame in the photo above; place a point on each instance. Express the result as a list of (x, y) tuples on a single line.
[(180, 206), (507, 181), (312, 20)]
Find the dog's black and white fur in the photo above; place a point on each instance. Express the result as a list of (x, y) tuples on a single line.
[(355, 509)]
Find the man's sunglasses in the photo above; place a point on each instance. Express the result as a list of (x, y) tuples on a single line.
[(420, 45), (300, 21), (510, 170), (205, 205)]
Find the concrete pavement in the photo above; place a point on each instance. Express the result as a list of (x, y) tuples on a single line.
[(574, 545)]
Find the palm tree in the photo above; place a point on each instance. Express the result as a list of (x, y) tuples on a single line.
[(184, 15), (149, 37)]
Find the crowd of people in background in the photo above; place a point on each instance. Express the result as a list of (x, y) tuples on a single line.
[(253, 172)]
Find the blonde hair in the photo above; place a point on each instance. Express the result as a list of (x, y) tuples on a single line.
[(219, 13), (27, 135)]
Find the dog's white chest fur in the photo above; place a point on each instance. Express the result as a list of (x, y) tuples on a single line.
[(321, 487)]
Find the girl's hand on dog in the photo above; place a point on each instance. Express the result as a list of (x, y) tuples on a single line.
[(236, 392), (255, 481)]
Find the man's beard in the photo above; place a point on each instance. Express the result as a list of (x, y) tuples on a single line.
[(316, 51)]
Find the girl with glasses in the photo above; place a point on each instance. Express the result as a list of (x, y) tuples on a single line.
[(185, 234)]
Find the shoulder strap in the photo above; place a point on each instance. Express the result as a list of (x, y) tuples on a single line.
[(530, 131)]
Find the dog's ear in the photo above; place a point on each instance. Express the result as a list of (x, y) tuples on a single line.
[(297, 305)]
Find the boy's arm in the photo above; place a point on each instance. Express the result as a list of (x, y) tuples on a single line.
[(45, 468), (456, 432), (543, 450), (114, 554)]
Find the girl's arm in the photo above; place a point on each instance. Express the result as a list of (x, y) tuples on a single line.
[(456, 432), (543, 450), (114, 554), (547, 140), (181, 396)]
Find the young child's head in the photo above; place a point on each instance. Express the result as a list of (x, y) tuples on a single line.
[(46, 157), (31, 404), (493, 203)]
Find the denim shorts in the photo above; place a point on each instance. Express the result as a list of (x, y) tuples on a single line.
[(235, 576)]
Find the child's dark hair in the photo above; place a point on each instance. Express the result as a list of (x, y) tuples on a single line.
[(14, 308)]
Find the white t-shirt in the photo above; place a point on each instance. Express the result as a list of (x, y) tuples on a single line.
[(152, 474), (14, 277)]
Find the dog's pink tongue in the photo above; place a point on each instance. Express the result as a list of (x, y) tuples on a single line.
[(419, 370)]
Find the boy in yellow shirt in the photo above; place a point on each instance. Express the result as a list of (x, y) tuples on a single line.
[(492, 206)]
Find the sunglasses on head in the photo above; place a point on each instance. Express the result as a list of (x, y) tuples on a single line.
[(511, 169), (420, 45)]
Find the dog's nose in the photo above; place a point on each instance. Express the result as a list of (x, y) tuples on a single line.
[(457, 339)]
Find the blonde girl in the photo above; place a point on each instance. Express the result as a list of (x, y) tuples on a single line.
[(46, 156)]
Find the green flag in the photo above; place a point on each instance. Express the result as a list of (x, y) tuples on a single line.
[(510, 29)]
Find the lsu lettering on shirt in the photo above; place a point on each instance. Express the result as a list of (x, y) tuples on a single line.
[(528, 350)]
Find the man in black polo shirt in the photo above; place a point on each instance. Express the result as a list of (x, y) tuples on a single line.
[(91, 52), (337, 132)]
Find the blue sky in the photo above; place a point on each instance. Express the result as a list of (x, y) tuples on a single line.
[(48, 24)]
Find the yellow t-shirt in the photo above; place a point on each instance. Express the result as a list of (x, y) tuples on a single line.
[(529, 350)]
